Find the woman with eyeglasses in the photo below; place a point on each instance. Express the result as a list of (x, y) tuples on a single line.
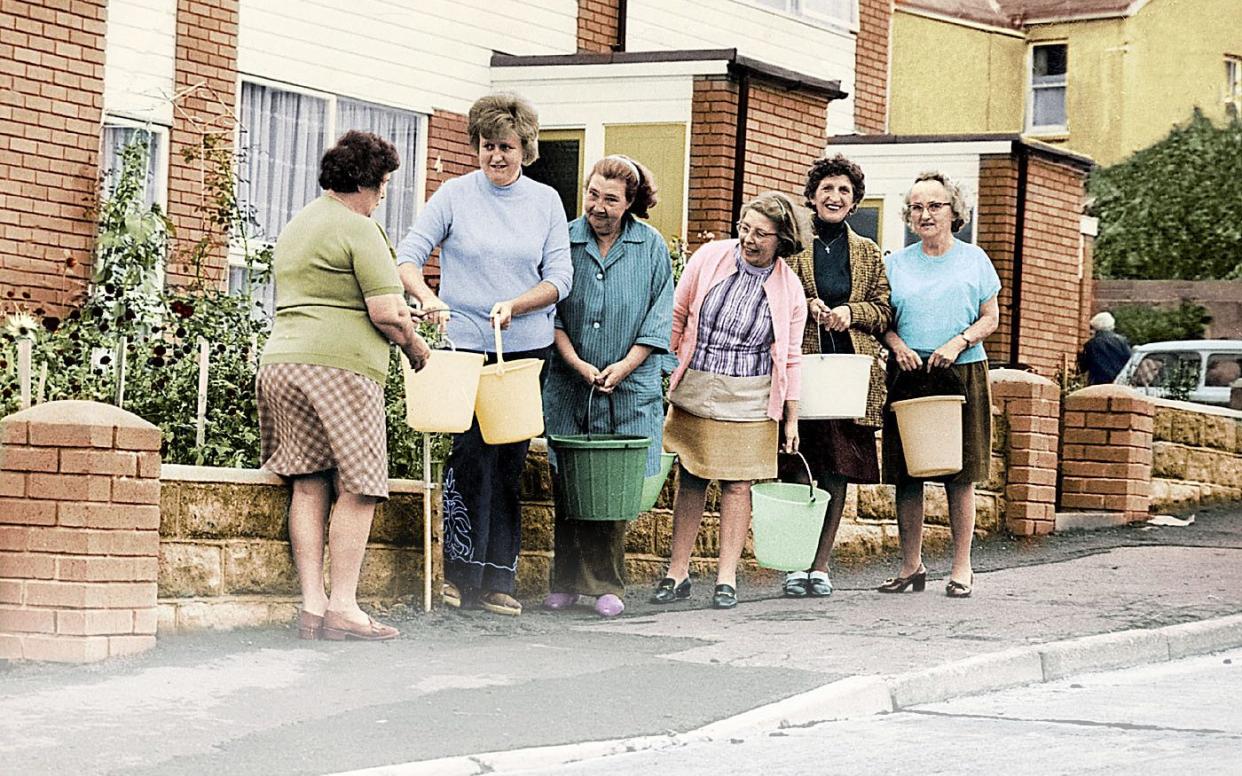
[(944, 302), (738, 316)]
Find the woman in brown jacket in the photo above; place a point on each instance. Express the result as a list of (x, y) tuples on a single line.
[(847, 309)]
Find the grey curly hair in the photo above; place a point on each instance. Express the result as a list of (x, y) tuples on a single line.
[(959, 205)]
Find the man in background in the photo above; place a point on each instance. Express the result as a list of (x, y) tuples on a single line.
[(1105, 353)]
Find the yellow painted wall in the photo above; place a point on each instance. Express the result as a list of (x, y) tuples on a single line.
[(662, 148), (949, 78), (1130, 80)]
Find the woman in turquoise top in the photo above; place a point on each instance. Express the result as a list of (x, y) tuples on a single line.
[(611, 332), (944, 300)]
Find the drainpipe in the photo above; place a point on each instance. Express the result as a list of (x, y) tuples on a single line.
[(621, 32), (739, 146), (1015, 331)]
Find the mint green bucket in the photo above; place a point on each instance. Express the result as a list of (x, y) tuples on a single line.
[(655, 483), (786, 522)]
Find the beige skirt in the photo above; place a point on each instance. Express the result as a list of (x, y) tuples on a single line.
[(726, 450)]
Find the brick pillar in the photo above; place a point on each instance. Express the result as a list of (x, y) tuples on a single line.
[(206, 82), (1107, 451), (713, 134), (79, 532), (51, 103), (1031, 406), (871, 66)]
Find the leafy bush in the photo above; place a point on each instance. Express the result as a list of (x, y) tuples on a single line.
[(1173, 210), (1143, 323)]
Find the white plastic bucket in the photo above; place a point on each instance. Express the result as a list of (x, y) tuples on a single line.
[(931, 434), (834, 385)]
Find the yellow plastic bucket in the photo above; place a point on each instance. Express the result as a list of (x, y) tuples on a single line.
[(834, 385), (509, 404), (440, 399), (931, 434)]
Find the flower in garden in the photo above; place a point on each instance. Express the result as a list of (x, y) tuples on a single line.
[(21, 325)]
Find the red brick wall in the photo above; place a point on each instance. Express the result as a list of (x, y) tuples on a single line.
[(994, 233), (598, 23), (448, 155), (871, 66), (51, 103), (1053, 323), (785, 132), (206, 77), (713, 133)]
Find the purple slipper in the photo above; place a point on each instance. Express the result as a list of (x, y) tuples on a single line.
[(609, 605), (558, 601)]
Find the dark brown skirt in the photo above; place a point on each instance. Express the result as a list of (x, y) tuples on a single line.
[(837, 447), (976, 431)]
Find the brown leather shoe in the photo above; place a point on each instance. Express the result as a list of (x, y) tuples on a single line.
[(310, 626), (337, 628)]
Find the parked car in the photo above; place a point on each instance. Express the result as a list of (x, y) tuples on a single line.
[(1202, 370)]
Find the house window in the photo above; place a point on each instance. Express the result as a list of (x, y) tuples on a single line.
[(119, 133), (286, 132), (560, 166), (868, 220), (1046, 100), (1233, 85), (841, 12)]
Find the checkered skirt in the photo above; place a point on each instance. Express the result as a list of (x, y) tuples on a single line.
[(315, 418)]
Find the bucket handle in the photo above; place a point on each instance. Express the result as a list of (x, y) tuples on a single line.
[(500, 355), (612, 412), (444, 338), (809, 478)]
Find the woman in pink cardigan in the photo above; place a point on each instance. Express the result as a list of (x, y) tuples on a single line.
[(738, 316)]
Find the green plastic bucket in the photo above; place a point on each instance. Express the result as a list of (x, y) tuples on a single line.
[(600, 476), (655, 483), (786, 522)]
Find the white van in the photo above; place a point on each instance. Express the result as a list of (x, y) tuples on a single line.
[(1205, 367)]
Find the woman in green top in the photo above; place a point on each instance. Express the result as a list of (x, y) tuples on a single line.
[(321, 379)]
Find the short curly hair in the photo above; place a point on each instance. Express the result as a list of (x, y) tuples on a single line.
[(829, 167), (959, 205), (496, 115), (359, 160), (791, 233), (641, 190)]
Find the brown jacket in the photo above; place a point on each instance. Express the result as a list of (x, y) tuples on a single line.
[(870, 309)]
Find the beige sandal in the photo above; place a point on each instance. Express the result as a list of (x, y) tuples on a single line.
[(501, 603), (451, 595)]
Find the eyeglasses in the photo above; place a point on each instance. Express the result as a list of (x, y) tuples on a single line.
[(933, 208), (744, 230)]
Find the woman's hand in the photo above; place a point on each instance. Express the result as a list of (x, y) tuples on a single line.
[(612, 375), (432, 310), (418, 352), (817, 310), (586, 370), (907, 359), (791, 436), (946, 355), (839, 318), (503, 312)]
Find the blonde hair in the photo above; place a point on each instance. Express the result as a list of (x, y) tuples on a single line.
[(496, 115), (791, 232)]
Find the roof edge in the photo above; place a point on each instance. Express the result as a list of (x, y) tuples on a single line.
[(1081, 161)]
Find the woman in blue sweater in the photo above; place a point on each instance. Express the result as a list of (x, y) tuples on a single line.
[(504, 256)]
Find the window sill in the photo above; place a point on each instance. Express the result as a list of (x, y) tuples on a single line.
[(1048, 134)]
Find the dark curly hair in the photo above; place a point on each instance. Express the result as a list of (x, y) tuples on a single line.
[(359, 160), (829, 167), (640, 186)]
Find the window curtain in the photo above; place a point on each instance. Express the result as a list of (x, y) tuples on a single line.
[(115, 138), (396, 212), (283, 143)]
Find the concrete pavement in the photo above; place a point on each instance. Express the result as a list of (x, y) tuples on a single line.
[(459, 684)]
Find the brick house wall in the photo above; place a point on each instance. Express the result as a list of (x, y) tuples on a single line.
[(713, 134), (599, 23), (1056, 270), (785, 132), (448, 155), (206, 82), (51, 109), (871, 66)]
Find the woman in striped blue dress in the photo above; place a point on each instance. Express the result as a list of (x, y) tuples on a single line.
[(611, 333)]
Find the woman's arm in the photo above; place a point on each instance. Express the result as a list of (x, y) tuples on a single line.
[(948, 353), (565, 348), (429, 230), (556, 269), (540, 296), (389, 314), (790, 423)]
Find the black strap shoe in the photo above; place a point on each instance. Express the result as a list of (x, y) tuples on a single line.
[(668, 591), (725, 597)]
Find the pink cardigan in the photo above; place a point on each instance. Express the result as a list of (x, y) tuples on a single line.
[(712, 263)]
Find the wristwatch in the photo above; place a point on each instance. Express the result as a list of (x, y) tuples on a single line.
[(969, 344)]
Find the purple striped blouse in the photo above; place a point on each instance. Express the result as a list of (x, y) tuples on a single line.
[(735, 325)]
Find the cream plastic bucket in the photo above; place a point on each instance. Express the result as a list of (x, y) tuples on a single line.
[(931, 434), (509, 403), (834, 385), (440, 399)]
